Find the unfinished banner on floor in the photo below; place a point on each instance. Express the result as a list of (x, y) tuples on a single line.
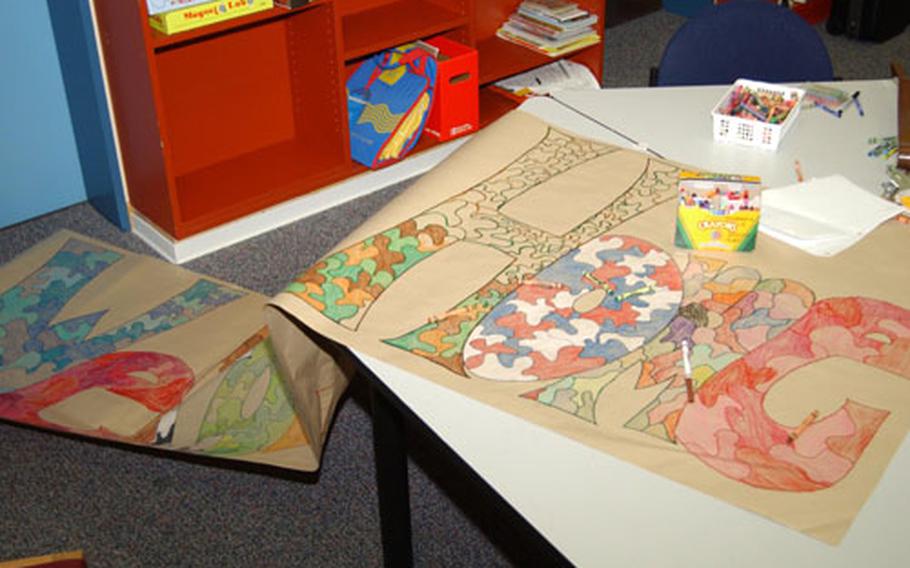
[(535, 271), (98, 341)]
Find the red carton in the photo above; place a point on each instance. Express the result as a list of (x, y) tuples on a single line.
[(456, 110)]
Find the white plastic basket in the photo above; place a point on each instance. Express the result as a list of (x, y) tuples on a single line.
[(748, 132)]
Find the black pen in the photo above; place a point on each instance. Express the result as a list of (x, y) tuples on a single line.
[(859, 107)]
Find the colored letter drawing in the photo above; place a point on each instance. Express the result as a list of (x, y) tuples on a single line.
[(577, 310), (72, 374)]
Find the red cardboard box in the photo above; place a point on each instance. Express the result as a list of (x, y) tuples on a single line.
[(456, 109), (813, 11)]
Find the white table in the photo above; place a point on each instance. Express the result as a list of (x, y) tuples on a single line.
[(597, 510), (676, 123)]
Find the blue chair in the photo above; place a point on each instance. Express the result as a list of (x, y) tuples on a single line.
[(746, 39)]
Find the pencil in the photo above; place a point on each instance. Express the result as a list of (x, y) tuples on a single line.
[(244, 347)]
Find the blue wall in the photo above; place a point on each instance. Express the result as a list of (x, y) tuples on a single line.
[(39, 161)]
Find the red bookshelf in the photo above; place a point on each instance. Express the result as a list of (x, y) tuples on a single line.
[(228, 119)]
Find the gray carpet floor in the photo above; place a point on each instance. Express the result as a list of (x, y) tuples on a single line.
[(126, 507)]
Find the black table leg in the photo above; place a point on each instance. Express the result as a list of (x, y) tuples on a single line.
[(526, 546), (391, 459)]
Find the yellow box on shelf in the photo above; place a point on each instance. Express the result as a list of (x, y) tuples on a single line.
[(192, 17), (717, 211)]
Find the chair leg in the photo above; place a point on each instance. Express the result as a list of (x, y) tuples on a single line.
[(652, 77)]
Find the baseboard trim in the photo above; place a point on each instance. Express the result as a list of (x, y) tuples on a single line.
[(183, 250)]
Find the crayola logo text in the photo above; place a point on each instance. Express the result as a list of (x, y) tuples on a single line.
[(708, 225)]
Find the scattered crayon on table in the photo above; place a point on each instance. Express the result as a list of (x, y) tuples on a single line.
[(884, 147), (826, 96)]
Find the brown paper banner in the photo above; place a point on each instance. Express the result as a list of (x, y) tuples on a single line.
[(535, 271), (98, 341)]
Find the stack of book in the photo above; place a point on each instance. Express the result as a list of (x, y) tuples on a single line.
[(173, 16), (551, 27)]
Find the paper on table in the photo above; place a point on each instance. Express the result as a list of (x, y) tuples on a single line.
[(562, 74), (823, 216)]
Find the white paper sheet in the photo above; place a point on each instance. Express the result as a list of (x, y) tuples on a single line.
[(823, 216), (559, 75)]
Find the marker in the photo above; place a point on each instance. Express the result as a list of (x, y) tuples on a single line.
[(845, 105), (830, 111), (807, 421), (859, 107), (687, 368)]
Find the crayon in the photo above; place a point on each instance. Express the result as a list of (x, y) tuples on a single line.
[(548, 285), (687, 368), (807, 421), (470, 312)]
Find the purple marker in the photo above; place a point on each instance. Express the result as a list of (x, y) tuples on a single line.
[(830, 111)]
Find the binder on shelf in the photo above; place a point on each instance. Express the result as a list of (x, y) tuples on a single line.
[(200, 15)]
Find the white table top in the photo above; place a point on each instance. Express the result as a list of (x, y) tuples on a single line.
[(598, 510), (676, 123)]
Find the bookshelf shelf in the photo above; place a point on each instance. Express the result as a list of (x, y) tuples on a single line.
[(255, 181), (368, 31), (160, 41), (499, 58), (229, 119)]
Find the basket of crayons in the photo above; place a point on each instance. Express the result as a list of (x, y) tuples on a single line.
[(756, 114)]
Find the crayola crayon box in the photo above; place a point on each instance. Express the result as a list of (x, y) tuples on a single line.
[(194, 16), (717, 211)]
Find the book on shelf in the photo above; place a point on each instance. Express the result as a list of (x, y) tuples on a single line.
[(554, 8), (527, 26), (550, 27), (577, 16), (291, 4), (550, 50), (159, 6), (199, 15)]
